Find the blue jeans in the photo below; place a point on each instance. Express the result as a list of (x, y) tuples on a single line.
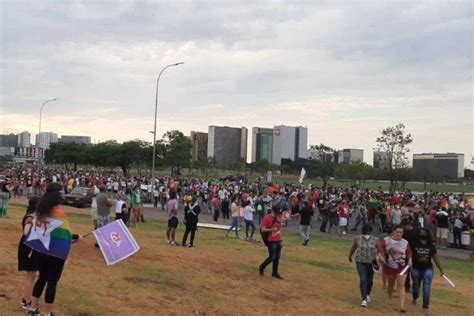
[(274, 253), (366, 278), (425, 276), (103, 220), (235, 224), (247, 225)]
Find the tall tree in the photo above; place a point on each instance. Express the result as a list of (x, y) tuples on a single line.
[(177, 150), (394, 141)]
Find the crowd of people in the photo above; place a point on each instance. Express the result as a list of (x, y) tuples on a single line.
[(409, 225)]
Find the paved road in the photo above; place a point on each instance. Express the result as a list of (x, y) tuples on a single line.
[(159, 215)]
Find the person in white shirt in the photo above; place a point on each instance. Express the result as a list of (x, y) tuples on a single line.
[(248, 217), (120, 208), (94, 190)]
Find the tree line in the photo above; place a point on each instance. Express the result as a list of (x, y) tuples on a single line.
[(174, 151)]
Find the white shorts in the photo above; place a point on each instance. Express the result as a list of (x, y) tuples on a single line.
[(442, 233), (342, 221)]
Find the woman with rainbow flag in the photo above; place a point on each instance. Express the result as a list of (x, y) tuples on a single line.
[(51, 238)]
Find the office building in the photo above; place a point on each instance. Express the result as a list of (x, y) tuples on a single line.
[(24, 139), (289, 143), (199, 145), (75, 139), (381, 160), (44, 139), (227, 145), (350, 155), (449, 165), (10, 140), (262, 144)]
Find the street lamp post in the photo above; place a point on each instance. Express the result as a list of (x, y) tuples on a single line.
[(41, 113), (39, 129), (154, 128)]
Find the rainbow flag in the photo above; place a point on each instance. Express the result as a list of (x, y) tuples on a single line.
[(51, 235)]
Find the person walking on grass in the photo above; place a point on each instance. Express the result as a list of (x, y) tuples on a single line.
[(191, 213), (271, 235), (306, 215), (423, 252), (395, 255), (51, 260), (235, 217), (27, 258), (248, 218), (172, 209), (365, 249)]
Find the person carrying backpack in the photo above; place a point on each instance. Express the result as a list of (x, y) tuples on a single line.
[(271, 236)]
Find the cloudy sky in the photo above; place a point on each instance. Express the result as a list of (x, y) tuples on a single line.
[(343, 70)]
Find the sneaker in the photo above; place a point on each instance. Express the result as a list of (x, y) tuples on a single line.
[(306, 242), (184, 245), (277, 276), (25, 305), (364, 303), (368, 299), (173, 243), (168, 242), (190, 246), (260, 271), (343, 233), (34, 311)]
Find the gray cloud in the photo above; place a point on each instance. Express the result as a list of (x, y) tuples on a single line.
[(334, 66)]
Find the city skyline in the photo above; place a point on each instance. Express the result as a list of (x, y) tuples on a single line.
[(346, 71)]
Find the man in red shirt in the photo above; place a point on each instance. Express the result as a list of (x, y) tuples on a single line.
[(271, 225)]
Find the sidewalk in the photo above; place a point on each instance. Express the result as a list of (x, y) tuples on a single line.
[(159, 215)]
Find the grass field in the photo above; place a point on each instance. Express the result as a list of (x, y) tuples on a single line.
[(218, 277)]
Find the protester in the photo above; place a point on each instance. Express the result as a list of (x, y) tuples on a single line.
[(27, 258), (6, 187), (172, 208), (343, 217), (191, 215), (271, 233), (395, 255), (442, 223), (365, 249), (137, 206), (120, 208), (50, 266), (235, 218), (248, 218), (306, 215), (457, 231), (225, 208), (103, 207), (93, 191), (422, 270)]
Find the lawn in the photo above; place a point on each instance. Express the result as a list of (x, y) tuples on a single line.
[(218, 277)]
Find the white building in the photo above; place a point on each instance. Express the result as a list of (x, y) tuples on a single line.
[(24, 139), (44, 139), (289, 143)]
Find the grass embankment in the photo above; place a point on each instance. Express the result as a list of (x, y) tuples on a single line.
[(218, 277)]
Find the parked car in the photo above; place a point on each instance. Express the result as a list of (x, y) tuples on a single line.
[(78, 197)]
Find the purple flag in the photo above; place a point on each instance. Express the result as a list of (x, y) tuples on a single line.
[(116, 242)]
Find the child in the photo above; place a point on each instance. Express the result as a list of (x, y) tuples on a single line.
[(27, 258)]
